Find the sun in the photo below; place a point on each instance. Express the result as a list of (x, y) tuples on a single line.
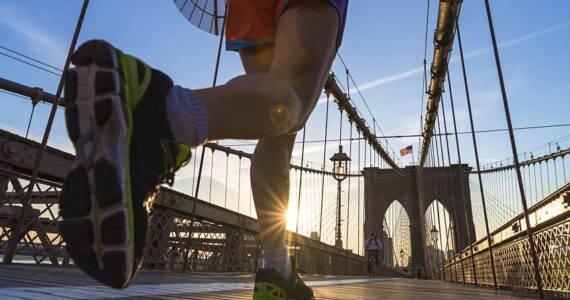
[(291, 217)]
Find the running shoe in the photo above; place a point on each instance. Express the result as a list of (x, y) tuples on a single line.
[(116, 118), (269, 285)]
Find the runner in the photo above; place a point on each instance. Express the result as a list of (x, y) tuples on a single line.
[(132, 129)]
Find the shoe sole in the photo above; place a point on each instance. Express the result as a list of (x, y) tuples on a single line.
[(96, 203)]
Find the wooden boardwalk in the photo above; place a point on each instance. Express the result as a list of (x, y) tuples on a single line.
[(46, 282)]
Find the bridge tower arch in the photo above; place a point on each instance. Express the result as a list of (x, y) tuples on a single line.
[(450, 185), (396, 236)]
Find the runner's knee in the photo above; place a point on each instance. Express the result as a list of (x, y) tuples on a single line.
[(278, 101)]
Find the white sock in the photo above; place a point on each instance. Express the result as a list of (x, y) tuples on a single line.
[(278, 259), (186, 116)]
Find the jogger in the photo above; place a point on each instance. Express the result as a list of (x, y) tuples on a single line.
[(132, 129)]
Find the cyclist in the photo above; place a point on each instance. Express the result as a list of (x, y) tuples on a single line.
[(372, 246)]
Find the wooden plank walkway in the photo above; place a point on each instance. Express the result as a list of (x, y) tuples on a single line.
[(46, 282)]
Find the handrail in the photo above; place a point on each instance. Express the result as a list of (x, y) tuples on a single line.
[(554, 198), (533, 161)]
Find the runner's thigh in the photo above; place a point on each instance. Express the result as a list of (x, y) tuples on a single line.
[(305, 47)]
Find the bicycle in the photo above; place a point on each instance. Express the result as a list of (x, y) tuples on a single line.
[(372, 266)]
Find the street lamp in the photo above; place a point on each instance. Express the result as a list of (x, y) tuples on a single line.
[(340, 166), (433, 233)]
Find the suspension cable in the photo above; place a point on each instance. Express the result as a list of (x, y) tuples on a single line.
[(468, 98), (358, 240), (440, 150), (324, 165), (299, 194), (200, 168), (31, 64), (239, 184), (453, 189), (211, 175), (31, 58), (424, 81), (537, 275), (461, 189), (348, 194), (226, 184)]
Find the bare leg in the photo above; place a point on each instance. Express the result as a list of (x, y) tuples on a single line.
[(267, 103), (252, 106), (303, 54), (273, 101), (270, 180)]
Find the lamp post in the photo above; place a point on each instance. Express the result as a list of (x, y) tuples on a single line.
[(433, 234), (340, 166)]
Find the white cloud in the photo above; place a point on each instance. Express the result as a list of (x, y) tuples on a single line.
[(406, 74), (46, 46)]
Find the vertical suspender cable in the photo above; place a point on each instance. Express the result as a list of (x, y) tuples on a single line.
[(239, 184), (211, 176), (440, 149), (299, 193), (461, 189), (455, 238), (370, 159), (220, 42), (34, 103), (548, 189), (563, 163), (199, 179), (324, 166), (338, 232), (226, 187), (535, 184), (489, 241), (530, 181), (250, 198), (364, 165), (555, 171), (537, 276), (358, 239), (26, 200), (194, 174), (348, 189)]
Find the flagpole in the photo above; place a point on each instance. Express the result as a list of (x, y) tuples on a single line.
[(412, 156)]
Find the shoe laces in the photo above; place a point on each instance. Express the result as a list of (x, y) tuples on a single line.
[(168, 149)]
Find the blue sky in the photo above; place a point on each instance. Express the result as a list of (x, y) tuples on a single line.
[(383, 48)]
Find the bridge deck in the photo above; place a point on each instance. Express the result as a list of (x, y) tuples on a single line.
[(46, 282)]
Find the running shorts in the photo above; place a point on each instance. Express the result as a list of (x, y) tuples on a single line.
[(254, 22)]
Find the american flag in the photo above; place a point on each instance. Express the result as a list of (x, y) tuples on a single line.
[(406, 151)]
